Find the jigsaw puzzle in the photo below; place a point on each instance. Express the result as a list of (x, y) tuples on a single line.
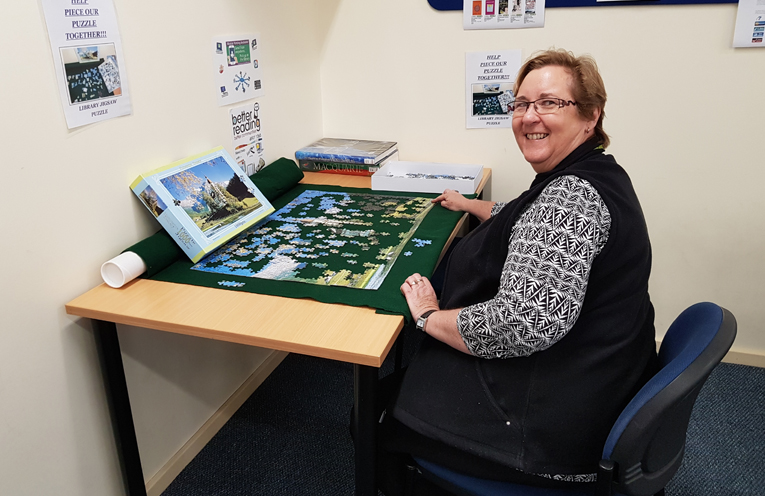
[(325, 238)]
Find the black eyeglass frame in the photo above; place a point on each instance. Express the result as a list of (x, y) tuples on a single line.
[(561, 103)]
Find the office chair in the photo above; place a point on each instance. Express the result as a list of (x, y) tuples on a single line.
[(645, 447)]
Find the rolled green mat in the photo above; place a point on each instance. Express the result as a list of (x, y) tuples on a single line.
[(159, 250), (278, 178)]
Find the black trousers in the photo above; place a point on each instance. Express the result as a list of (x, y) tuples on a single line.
[(397, 444)]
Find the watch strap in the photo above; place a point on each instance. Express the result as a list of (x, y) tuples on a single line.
[(420, 325)]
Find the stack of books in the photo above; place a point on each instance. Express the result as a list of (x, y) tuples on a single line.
[(346, 156)]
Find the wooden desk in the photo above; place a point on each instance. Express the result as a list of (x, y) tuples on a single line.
[(355, 335)]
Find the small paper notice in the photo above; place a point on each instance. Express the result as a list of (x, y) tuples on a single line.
[(238, 68), (247, 137), (750, 24), (489, 80), (87, 55), (503, 14)]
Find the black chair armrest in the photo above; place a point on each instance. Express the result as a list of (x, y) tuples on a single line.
[(606, 470)]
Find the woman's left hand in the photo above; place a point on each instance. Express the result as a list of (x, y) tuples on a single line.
[(419, 294)]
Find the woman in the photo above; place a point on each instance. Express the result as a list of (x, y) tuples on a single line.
[(544, 330)]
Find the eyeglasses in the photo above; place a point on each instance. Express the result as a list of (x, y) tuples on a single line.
[(542, 106)]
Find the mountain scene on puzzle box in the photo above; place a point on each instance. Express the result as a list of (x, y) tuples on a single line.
[(202, 201), (211, 195)]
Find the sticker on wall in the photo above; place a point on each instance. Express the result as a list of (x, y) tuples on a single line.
[(238, 68)]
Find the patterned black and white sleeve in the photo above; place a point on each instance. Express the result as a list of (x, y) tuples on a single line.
[(497, 207), (544, 279)]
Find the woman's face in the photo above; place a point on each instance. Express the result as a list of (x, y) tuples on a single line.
[(547, 139)]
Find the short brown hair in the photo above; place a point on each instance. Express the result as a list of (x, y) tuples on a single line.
[(589, 91)]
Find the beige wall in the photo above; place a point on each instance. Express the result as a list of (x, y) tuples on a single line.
[(354, 68)]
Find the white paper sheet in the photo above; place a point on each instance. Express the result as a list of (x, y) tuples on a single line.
[(247, 137), (489, 80), (750, 24), (238, 68), (87, 55)]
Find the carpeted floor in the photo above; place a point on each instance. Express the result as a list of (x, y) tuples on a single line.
[(725, 447), (291, 437)]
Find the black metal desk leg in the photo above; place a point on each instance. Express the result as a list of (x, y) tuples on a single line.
[(364, 418), (119, 406)]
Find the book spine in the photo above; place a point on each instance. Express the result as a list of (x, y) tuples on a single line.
[(337, 167)]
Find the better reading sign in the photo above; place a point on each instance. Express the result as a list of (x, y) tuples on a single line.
[(247, 137)]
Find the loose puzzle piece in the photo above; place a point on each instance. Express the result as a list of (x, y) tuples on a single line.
[(325, 238), (231, 284)]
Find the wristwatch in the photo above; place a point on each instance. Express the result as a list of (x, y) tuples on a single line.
[(420, 325)]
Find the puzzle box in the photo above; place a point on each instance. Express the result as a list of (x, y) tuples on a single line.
[(202, 201), (427, 177)]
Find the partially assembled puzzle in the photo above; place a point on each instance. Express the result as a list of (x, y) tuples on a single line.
[(325, 238)]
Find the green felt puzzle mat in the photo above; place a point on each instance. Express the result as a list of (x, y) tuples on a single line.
[(333, 244)]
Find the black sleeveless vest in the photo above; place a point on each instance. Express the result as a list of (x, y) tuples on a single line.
[(548, 413)]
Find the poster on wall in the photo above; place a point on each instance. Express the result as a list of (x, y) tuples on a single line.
[(87, 55), (750, 24), (489, 80), (238, 68), (503, 14), (247, 137)]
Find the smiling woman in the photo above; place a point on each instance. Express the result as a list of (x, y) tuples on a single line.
[(544, 328), (584, 82), (546, 123)]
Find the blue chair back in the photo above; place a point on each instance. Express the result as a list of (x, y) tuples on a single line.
[(646, 444), (647, 441)]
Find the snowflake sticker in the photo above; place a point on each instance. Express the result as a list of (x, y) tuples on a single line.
[(242, 81)]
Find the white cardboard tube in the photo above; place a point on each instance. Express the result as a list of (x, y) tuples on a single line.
[(122, 269)]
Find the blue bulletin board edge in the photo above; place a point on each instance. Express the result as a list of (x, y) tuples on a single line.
[(457, 4)]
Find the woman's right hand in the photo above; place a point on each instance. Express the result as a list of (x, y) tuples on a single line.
[(452, 200)]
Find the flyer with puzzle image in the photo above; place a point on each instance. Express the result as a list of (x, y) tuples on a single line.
[(202, 201)]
